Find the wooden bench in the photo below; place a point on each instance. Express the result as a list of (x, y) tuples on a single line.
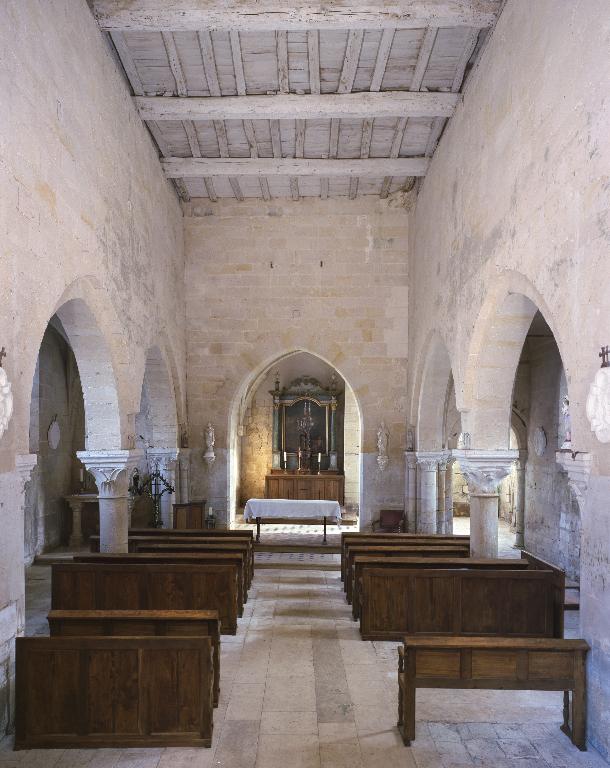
[(398, 550), (139, 624), (138, 543), (497, 663), (360, 538), (222, 558), (395, 602), (90, 692), (371, 561), (148, 586)]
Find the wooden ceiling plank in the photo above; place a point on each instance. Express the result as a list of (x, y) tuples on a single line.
[(399, 132), (265, 189), (299, 143), (324, 189), (471, 44), (209, 62), (381, 62), (435, 133), (164, 148), (350, 62), (182, 190), (174, 63), (185, 15), (251, 138), (221, 135), (367, 133), (238, 63), (236, 188), (185, 167), (128, 63), (313, 51), (276, 139), (423, 58), (294, 188), (191, 135), (281, 42), (289, 106)]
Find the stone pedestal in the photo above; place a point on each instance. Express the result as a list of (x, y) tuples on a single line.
[(411, 491), (112, 471), (165, 459), (484, 470), (427, 463), (75, 503)]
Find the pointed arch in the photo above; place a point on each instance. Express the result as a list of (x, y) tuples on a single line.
[(434, 385)]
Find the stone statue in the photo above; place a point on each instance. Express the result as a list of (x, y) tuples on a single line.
[(6, 400), (383, 437), (410, 439), (565, 410), (210, 439), (598, 405)]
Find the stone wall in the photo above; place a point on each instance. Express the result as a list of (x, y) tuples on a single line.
[(85, 214), (515, 202), (266, 279)]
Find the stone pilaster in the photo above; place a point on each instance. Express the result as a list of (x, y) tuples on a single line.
[(165, 459), (427, 463), (448, 521), (520, 501), (411, 490), (440, 495), (484, 470), (183, 492), (577, 466), (112, 471)]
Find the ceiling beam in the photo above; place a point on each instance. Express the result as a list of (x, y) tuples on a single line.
[(181, 167), (194, 15), (288, 106)]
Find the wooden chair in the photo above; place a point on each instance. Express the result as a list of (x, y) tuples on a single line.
[(390, 521)]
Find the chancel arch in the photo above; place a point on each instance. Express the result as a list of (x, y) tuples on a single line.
[(254, 452)]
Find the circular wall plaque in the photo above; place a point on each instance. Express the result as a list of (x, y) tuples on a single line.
[(54, 434)]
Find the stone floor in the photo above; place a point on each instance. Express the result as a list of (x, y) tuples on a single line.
[(299, 689)]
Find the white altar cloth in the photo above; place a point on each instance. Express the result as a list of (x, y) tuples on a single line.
[(305, 509)]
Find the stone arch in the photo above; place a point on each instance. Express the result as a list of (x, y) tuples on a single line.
[(159, 397), (434, 385), (239, 404), (494, 353)]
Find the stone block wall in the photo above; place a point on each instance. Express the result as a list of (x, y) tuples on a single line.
[(266, 279)]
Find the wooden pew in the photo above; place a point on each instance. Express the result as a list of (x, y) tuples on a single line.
[(371, 561), (234, 559), (139, 624), (360, 538), (233, 544), (208, 533), (395, 602), (148, 586), (505, 663), (398, 550), (92, 692)]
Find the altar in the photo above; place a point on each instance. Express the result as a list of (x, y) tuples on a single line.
[(270, 510)]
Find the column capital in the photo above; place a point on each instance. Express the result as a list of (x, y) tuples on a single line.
[(165, 458), (411, 459), (111, 469), (577, 465), (24, 464), (485, 470), (429, 460)]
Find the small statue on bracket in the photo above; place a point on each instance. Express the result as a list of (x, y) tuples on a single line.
[(210, 439), (565, 410), (383, 437)]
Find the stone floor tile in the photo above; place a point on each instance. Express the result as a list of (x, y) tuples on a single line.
[(290, 694), (345, 754), (246, 702), (288, 751), (484, 749), (299, 723)]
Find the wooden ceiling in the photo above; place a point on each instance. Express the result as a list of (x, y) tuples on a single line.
[(254, 98)]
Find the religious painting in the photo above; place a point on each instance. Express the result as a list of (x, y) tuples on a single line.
[(293, 436)]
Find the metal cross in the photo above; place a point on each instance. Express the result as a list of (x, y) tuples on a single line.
[(604, 354), (3, 354)]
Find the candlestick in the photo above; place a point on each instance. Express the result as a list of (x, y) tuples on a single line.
[(82, 474)]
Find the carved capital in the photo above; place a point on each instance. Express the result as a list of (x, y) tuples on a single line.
[(577, 466), (428, 461), (163, 458), (111, 469), (598, 405), (24, 465), (411, 459), (485, 470), (6, 400)]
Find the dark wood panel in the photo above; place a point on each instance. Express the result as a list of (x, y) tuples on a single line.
[(113, 692), (190, 514), (305, 487), (141, 623), (148, 586)]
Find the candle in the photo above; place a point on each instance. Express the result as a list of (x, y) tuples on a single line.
[(82, 474), (319, 458), (285, 458)]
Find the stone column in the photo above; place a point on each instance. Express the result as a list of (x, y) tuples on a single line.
[(183, 491), (427, 462), (520, 501), (165, 460), (112, 471), (411, 490), (484, 470), (440, 495), (448, 522), (275, 457), (332, 455)]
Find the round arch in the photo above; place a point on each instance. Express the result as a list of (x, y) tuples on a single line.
[(494, 353), (239, 405)]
